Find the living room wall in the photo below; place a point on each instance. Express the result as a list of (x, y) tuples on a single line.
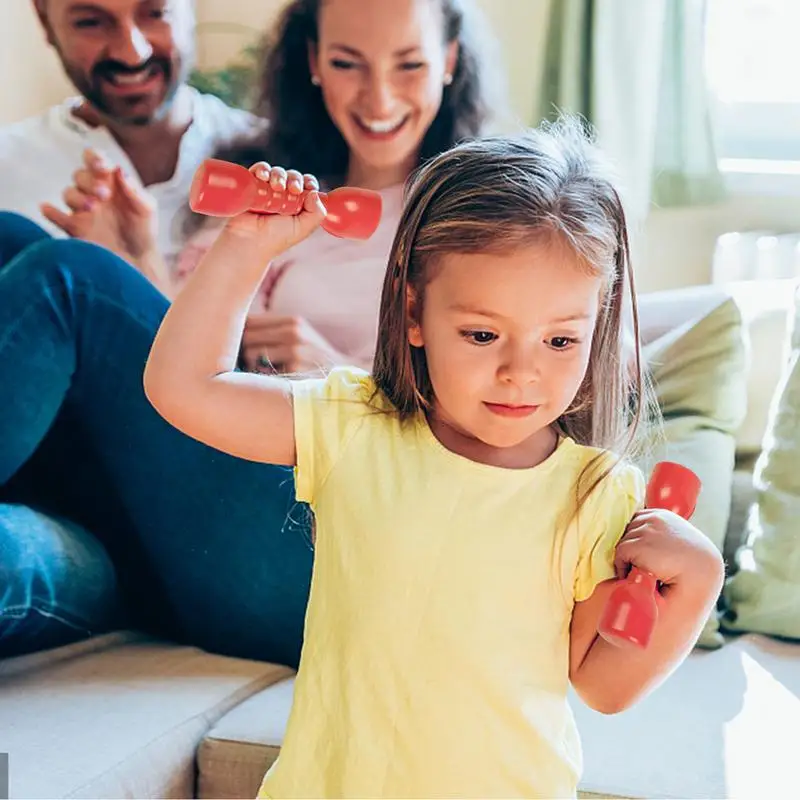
[(675, 246)]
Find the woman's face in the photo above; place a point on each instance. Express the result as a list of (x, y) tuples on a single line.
[(382, 68)]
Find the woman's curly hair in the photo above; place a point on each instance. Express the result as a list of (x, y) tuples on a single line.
[(301, 133)]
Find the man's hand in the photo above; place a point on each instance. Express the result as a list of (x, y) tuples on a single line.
[(285, 344), (107, 209)]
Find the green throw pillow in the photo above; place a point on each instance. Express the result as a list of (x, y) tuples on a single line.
[(764, 595), (700, 375)]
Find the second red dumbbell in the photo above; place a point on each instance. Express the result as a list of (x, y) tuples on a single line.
[(631, 612)]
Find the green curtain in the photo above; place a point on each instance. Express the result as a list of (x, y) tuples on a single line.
[(635, 70)]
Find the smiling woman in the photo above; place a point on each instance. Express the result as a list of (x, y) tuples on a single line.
[(359, 94), (356, 93), (363, 92)]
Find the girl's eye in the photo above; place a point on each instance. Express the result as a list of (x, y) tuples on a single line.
[(479, 337), (561, 342), (410, 66)]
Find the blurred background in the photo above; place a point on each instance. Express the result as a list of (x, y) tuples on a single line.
[(697, 101)]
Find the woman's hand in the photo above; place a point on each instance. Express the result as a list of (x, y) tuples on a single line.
[(107, 209), (285, 344)]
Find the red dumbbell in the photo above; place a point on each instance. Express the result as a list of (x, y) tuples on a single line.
[(223, 189), (631, 612)]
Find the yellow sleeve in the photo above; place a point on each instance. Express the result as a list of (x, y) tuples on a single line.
[(603, 521), (326, 413)]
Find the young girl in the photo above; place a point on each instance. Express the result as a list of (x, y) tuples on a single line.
[(470, 515)]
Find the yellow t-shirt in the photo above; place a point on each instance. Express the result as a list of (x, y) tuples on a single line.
[(436, 656)]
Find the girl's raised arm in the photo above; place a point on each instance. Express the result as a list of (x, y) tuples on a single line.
[(190, 377)]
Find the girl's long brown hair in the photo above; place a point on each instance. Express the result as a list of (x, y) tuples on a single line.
[(496, 194)]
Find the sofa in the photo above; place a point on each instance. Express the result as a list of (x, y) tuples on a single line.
[(125, 715)]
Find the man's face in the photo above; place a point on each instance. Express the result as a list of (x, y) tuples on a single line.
[(126, 57)]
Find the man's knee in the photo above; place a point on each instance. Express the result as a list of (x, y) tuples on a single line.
[(57, 583), (17, 234), (68, 263)]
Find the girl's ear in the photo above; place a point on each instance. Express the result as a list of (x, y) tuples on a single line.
[(414, 322)]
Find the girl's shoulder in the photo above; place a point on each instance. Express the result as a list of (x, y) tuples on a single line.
[(348, 385), (615, 476)]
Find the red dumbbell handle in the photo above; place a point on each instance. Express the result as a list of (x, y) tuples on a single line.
[(263, 199)]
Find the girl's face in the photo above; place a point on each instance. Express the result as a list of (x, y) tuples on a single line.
[(382, 67), (507, 340)]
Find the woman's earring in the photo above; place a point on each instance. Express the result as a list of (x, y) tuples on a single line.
[(315, 80), (448, 79)]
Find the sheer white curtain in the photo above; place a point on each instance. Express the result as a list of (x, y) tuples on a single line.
[(635, 70)]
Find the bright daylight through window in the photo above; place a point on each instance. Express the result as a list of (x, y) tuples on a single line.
[(753, 66)]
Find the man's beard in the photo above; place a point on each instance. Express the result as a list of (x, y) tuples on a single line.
[(93, 86)]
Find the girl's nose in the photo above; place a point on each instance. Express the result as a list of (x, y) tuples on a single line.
[(519, 366)]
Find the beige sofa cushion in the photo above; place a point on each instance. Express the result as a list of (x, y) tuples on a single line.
[(721, 726), (122, 721), (238, 750)]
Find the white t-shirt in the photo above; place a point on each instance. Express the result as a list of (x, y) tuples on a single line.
[(39, 155)]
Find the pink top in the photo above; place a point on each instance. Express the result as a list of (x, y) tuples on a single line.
[(335, 284)]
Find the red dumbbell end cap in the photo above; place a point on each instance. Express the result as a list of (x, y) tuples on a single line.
[(353, 213), (222, 189), (673, 487)]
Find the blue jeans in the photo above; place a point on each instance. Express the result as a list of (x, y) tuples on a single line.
[(205, 548), (57, 582)]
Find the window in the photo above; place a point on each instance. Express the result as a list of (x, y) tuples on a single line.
[(753, 66)]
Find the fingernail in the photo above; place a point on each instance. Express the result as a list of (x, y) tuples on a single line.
[(103, 192)]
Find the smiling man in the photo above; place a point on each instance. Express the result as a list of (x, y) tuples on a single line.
[(129, 60)]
